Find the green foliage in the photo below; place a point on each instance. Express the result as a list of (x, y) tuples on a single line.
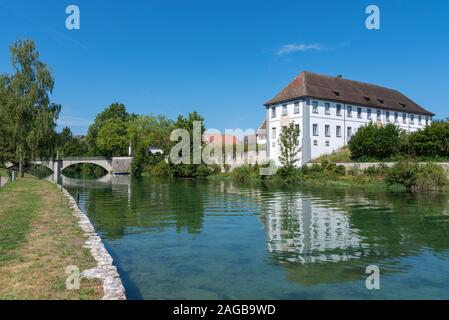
[(389, 143), (187, 123), (432, 142), (108, 134), (161, 169), (112, 139), (69, 146), (376, 143), (429, 177), (246, 173), (289, 146), (341, 155), (377, 171), (28, 118)]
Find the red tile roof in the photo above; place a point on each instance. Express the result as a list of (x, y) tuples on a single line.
[(312, 85)]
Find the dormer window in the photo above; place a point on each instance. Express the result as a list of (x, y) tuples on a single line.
[(381, 101), (367, 99), (403, 105), (337, 93)]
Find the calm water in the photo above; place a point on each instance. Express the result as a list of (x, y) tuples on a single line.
[(214, 240)]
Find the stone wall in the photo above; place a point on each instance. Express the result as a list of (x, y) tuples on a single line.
[(105, 270)]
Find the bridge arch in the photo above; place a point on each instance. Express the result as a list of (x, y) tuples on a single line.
[(105, 164)]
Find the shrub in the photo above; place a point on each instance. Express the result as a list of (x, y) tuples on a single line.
[(430, 177), (215, 169), (202, 171), (375, 171), (376, 143), (161, 169), (432, 142), (245, 173)]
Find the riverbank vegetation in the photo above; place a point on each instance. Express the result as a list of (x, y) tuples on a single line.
[(39, 238)]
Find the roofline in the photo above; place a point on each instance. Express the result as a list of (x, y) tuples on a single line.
[(268, 104)]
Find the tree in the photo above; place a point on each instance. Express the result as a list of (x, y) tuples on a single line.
[(377, 143), (432, 142), (70, 146), (187, 123), (148, 132), (112, 139), (289, 146), (114, 116), (28, 118)]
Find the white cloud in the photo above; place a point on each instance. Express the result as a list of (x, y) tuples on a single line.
[(295, 47)]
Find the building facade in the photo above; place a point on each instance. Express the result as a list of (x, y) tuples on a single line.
[(329, 111)]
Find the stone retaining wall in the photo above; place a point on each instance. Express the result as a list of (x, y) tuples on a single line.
[(365, 165), (105, 270)]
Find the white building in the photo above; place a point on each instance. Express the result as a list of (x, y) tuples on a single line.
[(329, 110)]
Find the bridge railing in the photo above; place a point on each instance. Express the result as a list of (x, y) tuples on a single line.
[(83, 158), (75, 159)]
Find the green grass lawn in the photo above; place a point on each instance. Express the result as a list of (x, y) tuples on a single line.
[(39, 238)]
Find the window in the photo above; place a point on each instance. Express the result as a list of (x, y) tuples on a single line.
[(404, 118), (327, 143), (412, 119), (349, 111), (368, 112), (387, 116), (359, 113), (419, 120), (296, 107), (327, 108), (396, 117), (327, 131), (339, 110), (273, 133), (349, 132), (379, 113), (315, 142), (427, 121), (283, 128), (273, 144), (338, 131), (284, 110), (315, 129), (273, 112), (315, 106)]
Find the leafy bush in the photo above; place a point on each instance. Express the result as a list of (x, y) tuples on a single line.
[(215, 169), (432, 142), (376, 143), (245, 173), (202, 171), (376, 171), (161, 169), (430, 177)]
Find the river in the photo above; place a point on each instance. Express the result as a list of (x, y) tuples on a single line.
[(218, 240)]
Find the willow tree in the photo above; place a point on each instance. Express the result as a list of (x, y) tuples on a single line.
[(28, 117)]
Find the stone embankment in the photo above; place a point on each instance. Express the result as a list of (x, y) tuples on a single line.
[(105, 270)]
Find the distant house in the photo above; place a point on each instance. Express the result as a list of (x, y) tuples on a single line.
[(329, 110), (262, 133)]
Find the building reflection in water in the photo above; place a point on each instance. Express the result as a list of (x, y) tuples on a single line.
[(310, 232)]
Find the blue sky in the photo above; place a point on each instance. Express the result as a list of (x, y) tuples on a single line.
[(226, 58)]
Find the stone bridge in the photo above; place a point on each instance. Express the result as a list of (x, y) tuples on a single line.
[(111, 165)]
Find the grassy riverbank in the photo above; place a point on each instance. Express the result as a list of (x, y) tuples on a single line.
[(39, 238)]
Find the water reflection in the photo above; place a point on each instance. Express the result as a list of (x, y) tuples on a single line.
[(328, 236), (239, 242)]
